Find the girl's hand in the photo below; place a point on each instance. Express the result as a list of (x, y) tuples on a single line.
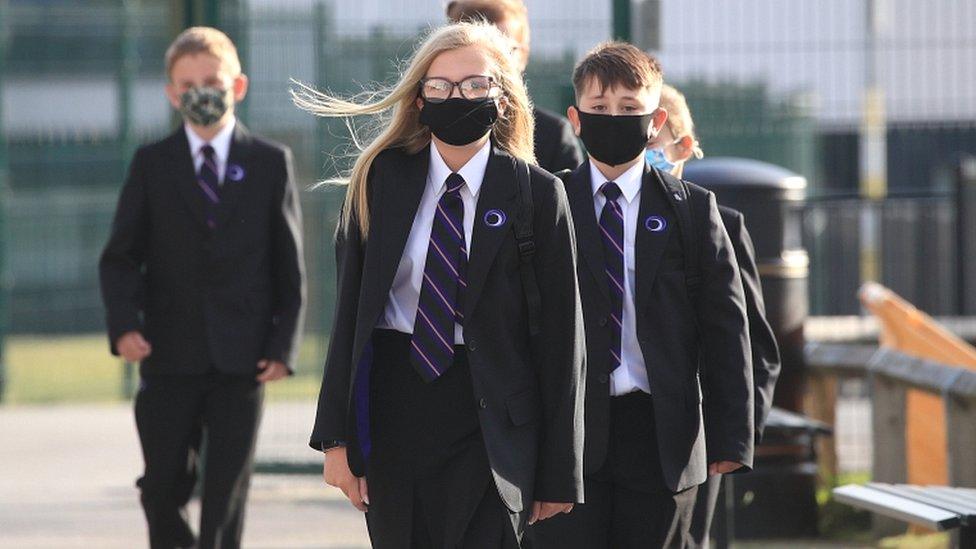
[(336, 473)]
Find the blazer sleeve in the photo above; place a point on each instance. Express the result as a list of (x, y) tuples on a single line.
[(560, 349), (765, 351), (120, 267), (331, 417), (288, 268), (726, 352)]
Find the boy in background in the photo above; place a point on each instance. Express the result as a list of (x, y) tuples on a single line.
[(556, 146), (204, 286)]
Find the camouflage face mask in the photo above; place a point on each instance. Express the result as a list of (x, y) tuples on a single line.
[(204, 106)]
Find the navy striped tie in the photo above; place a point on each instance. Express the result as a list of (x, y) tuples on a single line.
[(612, 227), (210, 185), (442, 288)]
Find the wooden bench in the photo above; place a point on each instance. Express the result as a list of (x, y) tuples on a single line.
[(936, 507)]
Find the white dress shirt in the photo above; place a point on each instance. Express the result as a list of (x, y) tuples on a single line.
[(401, 306), (631, 375), (220, 144)]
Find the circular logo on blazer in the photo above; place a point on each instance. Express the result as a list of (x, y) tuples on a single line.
[(495, 218), (655, 224), (235, 172)]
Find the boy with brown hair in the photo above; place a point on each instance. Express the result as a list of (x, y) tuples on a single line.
[(662, 305), (204, 285), (556, 147)]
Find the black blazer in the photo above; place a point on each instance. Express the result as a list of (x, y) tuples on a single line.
[(678, 338), (765, 351), (226, 298), (530, 407), (556, 146)]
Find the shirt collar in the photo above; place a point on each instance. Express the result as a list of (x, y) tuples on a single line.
[(220, 142), (473, 171), (629, 181)]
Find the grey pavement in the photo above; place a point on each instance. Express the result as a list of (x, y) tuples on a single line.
[(67, 480)]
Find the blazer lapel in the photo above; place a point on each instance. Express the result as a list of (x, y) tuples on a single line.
[(186, 176), (392, 218), (655, 213), (498, 192), (588, 240), (235, 173)]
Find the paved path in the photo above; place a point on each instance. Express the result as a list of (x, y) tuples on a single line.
[(67, 474), (66, 481)]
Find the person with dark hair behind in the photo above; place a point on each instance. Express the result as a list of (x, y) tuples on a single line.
[(556, 146)]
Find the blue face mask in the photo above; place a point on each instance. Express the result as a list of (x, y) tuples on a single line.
[(656, 158)]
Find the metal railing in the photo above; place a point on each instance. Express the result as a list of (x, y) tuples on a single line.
[(891, 375)]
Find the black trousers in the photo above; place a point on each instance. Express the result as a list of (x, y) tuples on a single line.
[(175, 416), (429, 480), (628, 505)]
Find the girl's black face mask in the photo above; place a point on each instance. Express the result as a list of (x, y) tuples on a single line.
[(614, 140), (459, 121)]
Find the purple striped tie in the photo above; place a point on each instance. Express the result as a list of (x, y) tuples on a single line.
[(442, 289), (612, 227), (209, 184)]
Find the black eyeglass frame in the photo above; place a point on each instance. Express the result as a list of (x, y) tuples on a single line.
[(423, 82)]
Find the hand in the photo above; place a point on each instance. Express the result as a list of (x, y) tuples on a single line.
[(541, 510), (133, 347), (271, 370), (336, 473), (723, 467)]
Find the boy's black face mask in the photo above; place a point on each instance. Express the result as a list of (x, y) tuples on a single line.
[(459, 121), (614, 140)]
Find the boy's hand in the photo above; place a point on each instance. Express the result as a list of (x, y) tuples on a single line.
[(271, 370), (723, 467), (336, 473), (541, 510), (133, 347)]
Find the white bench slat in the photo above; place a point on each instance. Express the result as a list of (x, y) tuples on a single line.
[(896, 507), (925, 494)]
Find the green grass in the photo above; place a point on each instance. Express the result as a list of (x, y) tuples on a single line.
[(75, 369)]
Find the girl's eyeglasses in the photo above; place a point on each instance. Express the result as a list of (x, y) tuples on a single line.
[(438, 90)]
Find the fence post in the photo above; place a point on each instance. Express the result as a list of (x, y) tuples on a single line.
[(622, 20), (3, 195), (965, 183), (960, 410), (128, 65), (821, 404), (888, 455)]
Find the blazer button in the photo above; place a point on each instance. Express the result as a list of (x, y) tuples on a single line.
[(604, 320), (483, 404), (603, 378), (471, 346)]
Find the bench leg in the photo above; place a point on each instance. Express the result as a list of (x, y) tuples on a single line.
[(967, 537)]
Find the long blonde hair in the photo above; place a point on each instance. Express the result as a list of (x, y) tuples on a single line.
[(512, 132)]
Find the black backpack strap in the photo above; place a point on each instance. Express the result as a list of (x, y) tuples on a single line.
[(563, 174), (524, 237), (680, 196)]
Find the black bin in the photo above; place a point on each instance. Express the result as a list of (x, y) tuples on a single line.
[(778, 498)]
